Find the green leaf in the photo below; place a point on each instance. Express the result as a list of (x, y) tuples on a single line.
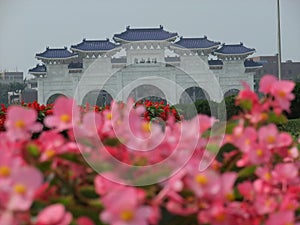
[(70, 157), (278, 119), (88, 192), (33, 149), (112, 142), (65, 200), (225, 148), (213, 148), (247, 172), (246, 105), (230, 126), (80, 210), (44, 166)]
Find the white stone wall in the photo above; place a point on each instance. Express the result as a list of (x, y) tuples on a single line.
[(98, 73)]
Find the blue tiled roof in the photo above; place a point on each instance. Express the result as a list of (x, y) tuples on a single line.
[(75, 65), (215, 62), (144, 34), (94, 45), (56, 53), (235, 49), (251, 63), (38, 69), (194, 43)]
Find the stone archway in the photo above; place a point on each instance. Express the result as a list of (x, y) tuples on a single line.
[(147, 92), (231, 92), (193, 94), (53, 98), (97, 97)]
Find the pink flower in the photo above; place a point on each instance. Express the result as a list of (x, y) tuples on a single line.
[(8, 218), (246, 189), (217, 215), (259, 154), (206, 184), (266, 83), (24, 183), (21, 122), (268, 135), (265, 204), (103, 185), (281, 218), (8, 164), (264, 174), (282, 91), (52, 144), (90, 124), (285, 173), (66, 114), (54, 215), (84, 221), (245, 138), (227, 183), (247, 98), (125, 207)]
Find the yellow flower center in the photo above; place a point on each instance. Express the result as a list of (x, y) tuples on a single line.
[(268, 202), (259, 152), (267, 176), (220, 217), (20, 124), (201, 179), (247, 142), (146, 126), (65, 118), (127, 215), (4, 171), (50, 153), (282, 94), (270, 139), (20, 189), (109, 116), (229, 196)]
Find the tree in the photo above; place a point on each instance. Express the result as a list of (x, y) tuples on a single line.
[(4, 88), (16, 88), (295, 106)]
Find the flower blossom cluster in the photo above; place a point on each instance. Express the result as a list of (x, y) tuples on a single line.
[(68, 165)]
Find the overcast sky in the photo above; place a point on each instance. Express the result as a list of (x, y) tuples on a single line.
[(28, 26)]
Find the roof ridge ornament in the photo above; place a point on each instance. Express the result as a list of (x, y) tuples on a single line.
[(161, 27), (128, 27)]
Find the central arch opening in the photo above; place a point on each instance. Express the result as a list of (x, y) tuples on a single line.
[(97, 97), (192, 94), (53, 98), (147, 92)]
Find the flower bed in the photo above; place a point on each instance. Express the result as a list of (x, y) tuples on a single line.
[(63, 164)]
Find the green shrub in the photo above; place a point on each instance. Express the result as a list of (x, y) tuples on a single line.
[(295, 106), (292, 126)]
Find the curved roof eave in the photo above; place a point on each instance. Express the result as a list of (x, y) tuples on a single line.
[(245, 53), (70, 57), (117, 39), (100, 51), (184, 48)]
